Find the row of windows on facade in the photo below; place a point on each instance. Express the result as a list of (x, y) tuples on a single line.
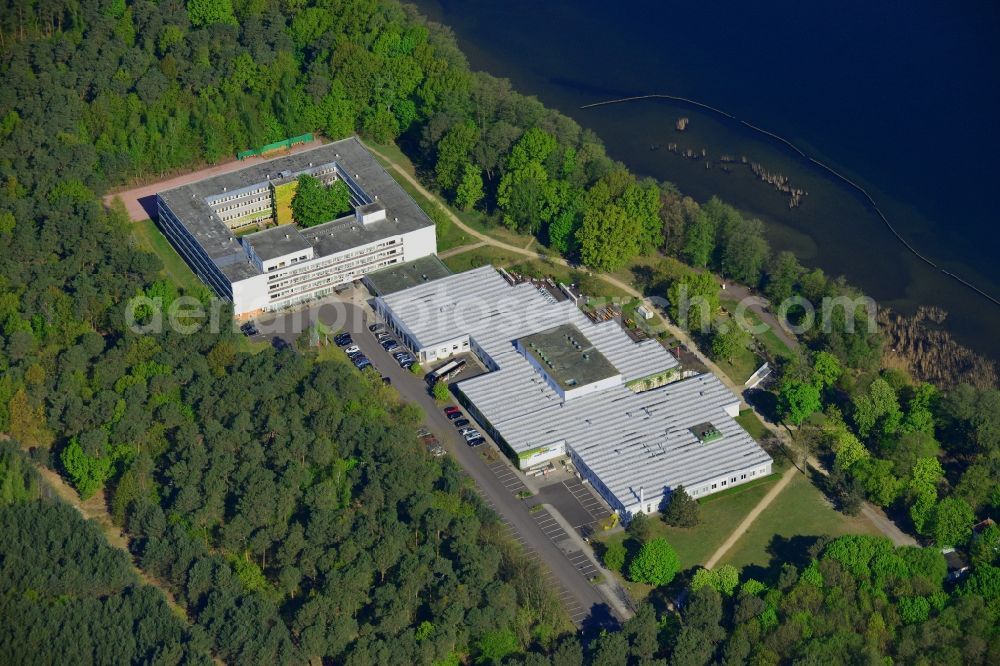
[(238, 195), (724, 482), (243, 204), (338, 259), (345, 277)]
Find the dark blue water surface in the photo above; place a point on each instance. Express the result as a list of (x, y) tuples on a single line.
[(900, 97)]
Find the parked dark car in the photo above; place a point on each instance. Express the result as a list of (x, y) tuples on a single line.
[(249, 329), (389, 344), (361, 362), (461, 423), (476, 442), (375, 328), (343, 339), (453, 415)]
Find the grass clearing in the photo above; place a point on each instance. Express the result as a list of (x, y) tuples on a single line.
[(720, 514), (740, 366), (150, 238), (480, 256), (786, 528), (752, 424)]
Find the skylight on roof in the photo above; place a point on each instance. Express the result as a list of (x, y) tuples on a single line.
[(705, 432)]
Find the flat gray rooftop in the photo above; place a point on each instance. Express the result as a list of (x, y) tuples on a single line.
[(567, 356), (402, 212), (403, 276), (277, 241)]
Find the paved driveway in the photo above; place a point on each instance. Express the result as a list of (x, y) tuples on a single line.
[(584, 602), (576, 503)]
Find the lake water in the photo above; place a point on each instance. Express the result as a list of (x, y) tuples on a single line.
[(899, 97)]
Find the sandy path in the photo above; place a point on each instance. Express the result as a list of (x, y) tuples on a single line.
[(741, 529)]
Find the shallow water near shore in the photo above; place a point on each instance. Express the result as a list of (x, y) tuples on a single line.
[(897, 98)]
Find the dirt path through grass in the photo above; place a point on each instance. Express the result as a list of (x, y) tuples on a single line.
[(741, 529)]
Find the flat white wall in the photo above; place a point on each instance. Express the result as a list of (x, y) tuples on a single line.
[(250, 294), (419, 243), (548, 453), (445, 349), (593, 387)]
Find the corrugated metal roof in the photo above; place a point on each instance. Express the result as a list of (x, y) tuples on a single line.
[(629, 440)]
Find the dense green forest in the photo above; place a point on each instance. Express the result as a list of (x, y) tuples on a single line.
[(285, 502), (67, 597)]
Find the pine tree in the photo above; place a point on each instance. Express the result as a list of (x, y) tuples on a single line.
[(681, 510)]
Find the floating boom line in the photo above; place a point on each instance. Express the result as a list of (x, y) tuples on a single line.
[(864, 193)]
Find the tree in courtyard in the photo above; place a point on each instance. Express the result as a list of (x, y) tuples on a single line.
[(682, 510), (440, 392), (315, 203), (656, 563), (614, 556), (797, 400)]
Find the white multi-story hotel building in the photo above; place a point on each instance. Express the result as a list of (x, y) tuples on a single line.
[(286, 264)]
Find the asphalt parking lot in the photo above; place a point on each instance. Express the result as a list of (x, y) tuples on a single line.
[(554, 531), (577, 613), (576, 503), (507, 476)]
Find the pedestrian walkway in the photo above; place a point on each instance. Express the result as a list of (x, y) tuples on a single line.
[(742, 528)]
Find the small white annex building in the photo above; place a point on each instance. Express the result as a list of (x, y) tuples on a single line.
[(561, 384)]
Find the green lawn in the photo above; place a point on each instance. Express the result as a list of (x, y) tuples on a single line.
[(719, 515), (800, 510), (740, 366), (480, 257), (752, 424), (150, 238)]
